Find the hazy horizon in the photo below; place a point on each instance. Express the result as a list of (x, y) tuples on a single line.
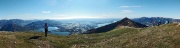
[(74, 9)]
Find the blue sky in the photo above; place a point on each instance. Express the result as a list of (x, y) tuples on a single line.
[(66, 9)]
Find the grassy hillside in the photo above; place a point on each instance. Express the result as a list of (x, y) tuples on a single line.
[(164, 36)]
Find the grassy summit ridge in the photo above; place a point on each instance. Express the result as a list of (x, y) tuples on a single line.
[(158, 36)]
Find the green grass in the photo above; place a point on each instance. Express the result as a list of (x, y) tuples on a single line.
[(164, 36)]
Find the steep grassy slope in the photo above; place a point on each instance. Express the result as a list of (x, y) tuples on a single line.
[(119, 24), (152, 37)]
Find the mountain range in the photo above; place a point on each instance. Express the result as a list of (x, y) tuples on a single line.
[(77, 25), (13, 27)]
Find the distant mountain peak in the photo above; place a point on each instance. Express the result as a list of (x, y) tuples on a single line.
[(124, 22), (128, 22)]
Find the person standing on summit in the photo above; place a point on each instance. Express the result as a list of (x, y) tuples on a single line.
[(159, 22), (46, 29), (167, 22)]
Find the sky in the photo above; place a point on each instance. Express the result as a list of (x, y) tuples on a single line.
[(68, 9)]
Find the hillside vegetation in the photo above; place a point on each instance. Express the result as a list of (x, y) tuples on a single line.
[(164, 36)]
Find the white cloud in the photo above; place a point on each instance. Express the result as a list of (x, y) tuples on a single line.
[(129, 6), (46, 11), (126, 11)]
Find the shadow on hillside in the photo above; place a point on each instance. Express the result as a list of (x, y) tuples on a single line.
[(35, 37)]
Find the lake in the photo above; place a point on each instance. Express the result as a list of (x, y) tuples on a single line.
[(52, 31), (100, 25)]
